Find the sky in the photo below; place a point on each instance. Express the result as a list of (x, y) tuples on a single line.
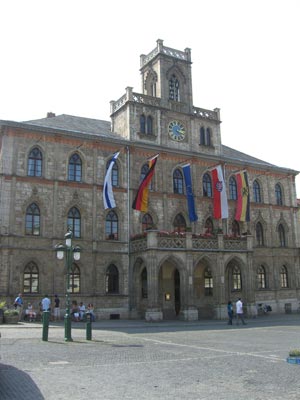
[(74, 57)]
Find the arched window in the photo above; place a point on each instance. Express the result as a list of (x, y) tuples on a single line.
[(114, 173), (281, 233), (174, 93), (259, 234), (32, 223), (208, 137), (75, 279), (142, 123), (144, 283), (208, 282), (202, 136), (256, 192), (178, 182), (149, 125), (284, 277), (235, 228), (112, 280), (209, 227), (179, 223), (236, 278), (207, 187), (34, 167), (75, 166), (147, 222), (278, 194), (31, 278), (111, 226), (232, 188), (74, 222), (261, 277)]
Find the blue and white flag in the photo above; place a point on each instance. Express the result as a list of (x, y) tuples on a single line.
[(189, 192), (108, 196)]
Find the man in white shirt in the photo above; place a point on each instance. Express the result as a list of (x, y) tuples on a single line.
[(239, 312), (46, 303)]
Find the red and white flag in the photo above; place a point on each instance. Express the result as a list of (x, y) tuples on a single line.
[(219, 194)]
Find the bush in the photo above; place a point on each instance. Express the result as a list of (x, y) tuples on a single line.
[(11, 312), (2, 304), (294, 353)]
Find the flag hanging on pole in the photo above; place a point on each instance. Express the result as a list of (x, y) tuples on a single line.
[(189, 192), (108, 196), (243, 197), (219, 193), (140, 202)]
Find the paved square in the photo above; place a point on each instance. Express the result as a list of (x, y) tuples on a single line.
[(139, 360)]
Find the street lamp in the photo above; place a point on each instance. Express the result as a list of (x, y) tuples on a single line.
[(72, 253)]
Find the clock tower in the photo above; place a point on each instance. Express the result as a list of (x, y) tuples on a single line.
[(163, 113)]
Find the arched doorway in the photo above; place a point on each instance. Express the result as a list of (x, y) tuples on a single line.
[(170, 290), (177, 291)]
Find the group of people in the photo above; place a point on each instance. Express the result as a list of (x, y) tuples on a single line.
[(239, 312), (77, 312)]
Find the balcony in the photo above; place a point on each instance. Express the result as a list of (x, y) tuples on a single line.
[(159, 240)]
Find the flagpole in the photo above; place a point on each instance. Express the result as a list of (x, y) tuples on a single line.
[(128, 230)]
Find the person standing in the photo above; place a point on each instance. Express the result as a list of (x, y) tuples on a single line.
[(230, 312), (56, 313), (81, 311), (239, 312), (46, 303), (19, 305)]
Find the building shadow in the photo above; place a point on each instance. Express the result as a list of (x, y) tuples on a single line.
[(17, 384)]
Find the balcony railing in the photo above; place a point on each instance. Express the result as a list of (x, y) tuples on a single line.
[(187, 241)]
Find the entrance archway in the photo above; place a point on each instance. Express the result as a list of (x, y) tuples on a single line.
[(170, 289)]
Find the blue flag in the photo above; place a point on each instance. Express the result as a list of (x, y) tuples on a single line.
[(108, 196), (189, 192)]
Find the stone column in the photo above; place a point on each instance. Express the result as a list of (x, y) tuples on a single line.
[(154, 311)]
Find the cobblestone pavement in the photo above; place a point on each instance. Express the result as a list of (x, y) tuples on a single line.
[(139, 360)]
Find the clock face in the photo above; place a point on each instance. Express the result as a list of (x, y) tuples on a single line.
[(176, 131)]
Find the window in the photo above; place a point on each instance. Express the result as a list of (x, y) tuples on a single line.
[(259, 234), (235, 228), (74, 222), (261, 277), (278, 195), (149, 125), (114, 173), (209, 227), (34, 167), (31, 278), (283, 277), (112, 280), (208, 282), (144, 281), (75, 279), (32, 223), (256, 192), (236, 278), (232, 188), (281, 233), (111, 226), (147, 222), (178, 182), (75, 165), (142, 124), (205, 136), (179, 223), (174, 89), (207, 187)]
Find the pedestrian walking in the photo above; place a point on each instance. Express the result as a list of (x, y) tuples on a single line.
[(56, 313), (239, 312), (230, 312), (19, 305)]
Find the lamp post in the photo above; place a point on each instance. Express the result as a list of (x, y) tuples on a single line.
[(72, 253)]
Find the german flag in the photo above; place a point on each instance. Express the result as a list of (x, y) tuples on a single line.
[(140, 202)]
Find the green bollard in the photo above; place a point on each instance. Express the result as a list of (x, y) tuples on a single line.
[(88, 326), (45, 319)]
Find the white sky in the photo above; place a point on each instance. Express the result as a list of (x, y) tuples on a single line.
[(73, 57)]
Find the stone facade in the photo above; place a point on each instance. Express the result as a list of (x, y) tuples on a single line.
[(164, 272)]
